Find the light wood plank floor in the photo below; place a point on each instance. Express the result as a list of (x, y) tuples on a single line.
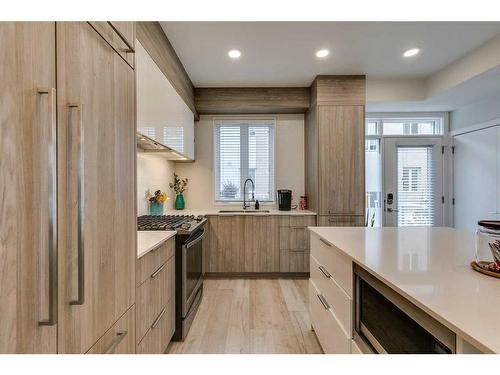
[(251, 316)]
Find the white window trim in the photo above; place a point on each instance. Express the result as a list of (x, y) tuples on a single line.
[(236, 118)]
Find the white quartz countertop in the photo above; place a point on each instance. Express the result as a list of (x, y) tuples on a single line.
[(150, 240), (431, 268), (215, 211)]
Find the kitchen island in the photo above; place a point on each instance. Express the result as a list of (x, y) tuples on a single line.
[(429, 267)]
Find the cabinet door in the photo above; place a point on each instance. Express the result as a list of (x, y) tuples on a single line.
[(341, 160), (96, 140), (27, 188)]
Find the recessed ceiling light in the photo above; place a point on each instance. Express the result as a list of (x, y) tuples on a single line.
[(322, 53), (234, 54), (411, 52)]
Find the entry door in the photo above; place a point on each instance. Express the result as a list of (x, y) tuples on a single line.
[(413, 182)]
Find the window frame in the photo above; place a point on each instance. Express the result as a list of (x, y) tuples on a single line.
[(243, 120)]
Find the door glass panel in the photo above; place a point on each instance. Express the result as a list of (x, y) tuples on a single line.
[(416, 203), (373, 178)]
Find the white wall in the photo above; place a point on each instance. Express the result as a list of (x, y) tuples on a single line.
[(154, 172), (482, 111), (290, 165)]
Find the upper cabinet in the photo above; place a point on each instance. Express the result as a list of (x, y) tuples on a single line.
[(162, 114)]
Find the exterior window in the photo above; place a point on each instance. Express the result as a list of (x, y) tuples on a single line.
[(244, 149)]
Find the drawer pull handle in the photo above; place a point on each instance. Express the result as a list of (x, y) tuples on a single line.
[(154, 274), (118, 339), (297, 250), (297, 227), (325, 272), (326, 243), (158, 318), (323, 302)]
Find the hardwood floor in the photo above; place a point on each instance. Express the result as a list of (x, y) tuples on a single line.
[(251, 316)]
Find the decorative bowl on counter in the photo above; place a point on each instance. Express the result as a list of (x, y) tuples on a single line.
[(487, 252)]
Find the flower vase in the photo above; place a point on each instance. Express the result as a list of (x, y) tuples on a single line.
[(155, 208), (179, 202)]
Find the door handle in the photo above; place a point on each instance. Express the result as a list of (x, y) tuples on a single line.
[(154, 274), (392, 209), (52, 217), (323, 302), (326, 243), (158, 318), (325, 272), (81, 207), (118, 339), (129, 49)]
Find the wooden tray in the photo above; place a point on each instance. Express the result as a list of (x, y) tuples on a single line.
[(476, 267)]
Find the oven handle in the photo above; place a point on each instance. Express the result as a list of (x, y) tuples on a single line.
[(195, 240)]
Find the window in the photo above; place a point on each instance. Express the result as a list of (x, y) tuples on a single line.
[(404, 126), (244, 149), (416, 180)]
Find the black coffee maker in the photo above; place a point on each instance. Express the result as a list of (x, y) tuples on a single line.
[(284, 200)]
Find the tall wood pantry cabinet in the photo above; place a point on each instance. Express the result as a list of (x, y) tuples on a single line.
[(67, 169), (335, 159)]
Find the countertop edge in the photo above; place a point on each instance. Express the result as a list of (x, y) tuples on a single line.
[(169, 235)]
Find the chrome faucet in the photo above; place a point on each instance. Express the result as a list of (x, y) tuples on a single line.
[(245, 205)]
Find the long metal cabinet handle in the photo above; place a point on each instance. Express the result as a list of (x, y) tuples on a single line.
[(118, 339), (52, 217), (158, 318), (81, 209), (325, 272), (154, 274), (326, 243), (323, 302), (124, 40)]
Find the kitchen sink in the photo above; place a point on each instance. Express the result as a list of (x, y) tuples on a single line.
[(244, 211)]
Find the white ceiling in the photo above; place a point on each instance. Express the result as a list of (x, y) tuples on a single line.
[(282, 53)]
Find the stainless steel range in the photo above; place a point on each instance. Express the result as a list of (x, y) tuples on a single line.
[(188, 264)]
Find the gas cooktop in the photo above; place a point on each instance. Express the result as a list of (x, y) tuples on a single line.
[(179, 223)]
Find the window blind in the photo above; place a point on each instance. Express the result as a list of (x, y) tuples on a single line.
[(416, 186), (244, 149)]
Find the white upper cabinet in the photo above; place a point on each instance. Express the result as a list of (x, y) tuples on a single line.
[(161, 113)]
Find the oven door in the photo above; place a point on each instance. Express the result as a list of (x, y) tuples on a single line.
[(192, 262)]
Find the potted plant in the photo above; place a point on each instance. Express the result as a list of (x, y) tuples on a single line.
[(156, 202), (179, 186), (229, 190)]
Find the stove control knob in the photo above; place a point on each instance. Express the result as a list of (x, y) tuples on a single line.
[(186, 226)]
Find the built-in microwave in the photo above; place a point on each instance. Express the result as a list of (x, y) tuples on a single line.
[(386, 322)]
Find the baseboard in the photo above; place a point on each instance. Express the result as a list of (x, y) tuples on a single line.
[(257, 275)]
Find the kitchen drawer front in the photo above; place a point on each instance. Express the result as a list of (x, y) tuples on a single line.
[(149, 263), (294, 238), (326, 326), (119, 339), (116, 39), (336, 264), (355, 349), (341, 221), (153, 295), (297, 221), (158, 336), (339, 301), (294, 261)]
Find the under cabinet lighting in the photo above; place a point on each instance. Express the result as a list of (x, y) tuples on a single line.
[(234, 54), (322, 53)]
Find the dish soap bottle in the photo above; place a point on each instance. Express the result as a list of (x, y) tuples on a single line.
[(257, 205)]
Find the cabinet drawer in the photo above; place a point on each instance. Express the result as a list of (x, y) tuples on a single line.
[(294, 261), (112, 32), (339, 301), (327, 327), (160, 332), (119, 339), (341, 221), (294, 238), (152, 295), (355, 349), (149, 263), (297, 220), (336, 264)]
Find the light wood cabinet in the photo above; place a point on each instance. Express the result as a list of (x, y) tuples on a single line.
[(27, 168), (155, 320), (241, 244), (335, 163), (96, 149), (120, 338), (120, 36)]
